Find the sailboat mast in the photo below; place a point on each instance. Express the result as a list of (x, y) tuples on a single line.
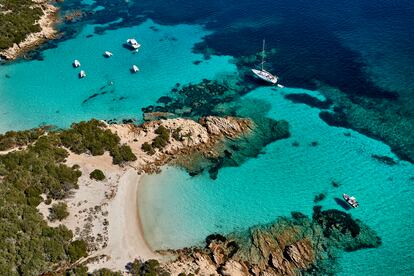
[(263, 53)]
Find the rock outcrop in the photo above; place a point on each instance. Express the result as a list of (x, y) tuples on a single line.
[(289, 246), (191, 139)]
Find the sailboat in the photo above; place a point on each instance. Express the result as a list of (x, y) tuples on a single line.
[(262, 73)]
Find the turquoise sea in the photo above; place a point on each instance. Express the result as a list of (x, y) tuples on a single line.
[(178, 210), (49, 91)]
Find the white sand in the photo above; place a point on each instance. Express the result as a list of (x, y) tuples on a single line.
[(126, 241), (105, 213)]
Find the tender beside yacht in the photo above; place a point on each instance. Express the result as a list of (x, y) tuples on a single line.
[(131, 42), (351, 200), (76, 63)]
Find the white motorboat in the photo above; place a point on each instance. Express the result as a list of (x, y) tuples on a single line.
[(351, 200), (134, 69), (76, 63), (131, 42), (82, 74), (108, 54), (262, 73)]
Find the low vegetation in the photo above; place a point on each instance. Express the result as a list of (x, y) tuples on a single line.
[(148, 148), (159, 142), (17, 19), (28, 245), (91, 137), (83, 271), (162, 138), (77, 250), (12, 139), (97, 175), (148, 268), (58, 211), (176, 134)]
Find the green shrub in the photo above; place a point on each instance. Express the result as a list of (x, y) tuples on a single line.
[(97, 175), (58, 211), (148, 148), (17, 24), (28, 245), (135, 267), (106, 272), (149, 268), (163, 132), (13, 139), (76, 250), (159, 142), (162, 138), (91, 137), (77, 271), (177, 135)]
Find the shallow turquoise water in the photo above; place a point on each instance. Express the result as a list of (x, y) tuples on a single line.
[(49, 91), (178, 210)]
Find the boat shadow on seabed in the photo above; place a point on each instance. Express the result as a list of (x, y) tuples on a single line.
[(342, 203)]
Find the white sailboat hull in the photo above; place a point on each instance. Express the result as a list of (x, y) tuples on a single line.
[(266, 76)]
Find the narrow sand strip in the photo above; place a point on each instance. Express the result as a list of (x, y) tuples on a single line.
[(126, 240)]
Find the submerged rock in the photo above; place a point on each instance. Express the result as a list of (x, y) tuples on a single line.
[(154, 116), (385, 159), (309, 100)]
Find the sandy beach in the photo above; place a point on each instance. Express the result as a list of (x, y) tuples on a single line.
[(105, 213), (126, 240)]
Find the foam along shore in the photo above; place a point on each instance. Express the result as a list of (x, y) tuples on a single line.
[(47, 25), (105, 213)]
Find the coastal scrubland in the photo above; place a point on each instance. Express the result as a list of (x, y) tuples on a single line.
[(18, 18), (37, 173), (34, 171)]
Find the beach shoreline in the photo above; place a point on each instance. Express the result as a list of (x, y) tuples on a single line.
[(126, 240), (47, 23), (105, 213)]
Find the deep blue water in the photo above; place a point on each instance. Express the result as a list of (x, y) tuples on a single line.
[(363, 48)]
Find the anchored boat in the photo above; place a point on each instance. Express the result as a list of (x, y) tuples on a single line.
[(82, 74), (131, 42), (76, 63), (107, 54), (134, 69), (262, 73), (351, 200)]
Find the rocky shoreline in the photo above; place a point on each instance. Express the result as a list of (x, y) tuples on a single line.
[(48, 31), (289, 246)]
